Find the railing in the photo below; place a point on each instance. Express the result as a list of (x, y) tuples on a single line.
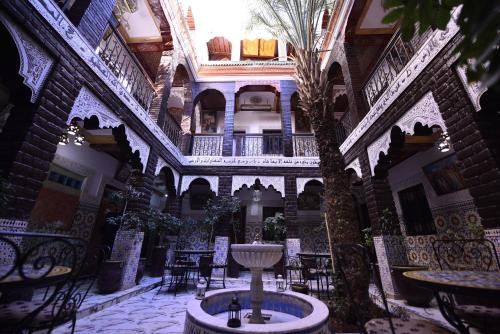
[(258, 144), (207, 144), (394, 58), (304, 145), (172, 129), (116, 54)]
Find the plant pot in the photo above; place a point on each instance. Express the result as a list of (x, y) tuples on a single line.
[(158, 261), (299, 287), (110, 276), (140, 269), (414, 295)]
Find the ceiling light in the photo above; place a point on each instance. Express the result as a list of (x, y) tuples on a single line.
[(444, 142), (72, 129), (79, 139), (64, 139)]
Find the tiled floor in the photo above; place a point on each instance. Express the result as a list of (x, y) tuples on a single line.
[(149, 312)]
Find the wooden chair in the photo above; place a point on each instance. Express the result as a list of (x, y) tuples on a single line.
[(352, 263), (205, 268), (292, 260)]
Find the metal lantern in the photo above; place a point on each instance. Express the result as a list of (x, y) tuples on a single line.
[(201, 288), (234, 313), (280, 284)]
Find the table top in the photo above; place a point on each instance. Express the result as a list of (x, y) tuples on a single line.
[(484, 281), (312, 254), (16, 278), (195, 251)]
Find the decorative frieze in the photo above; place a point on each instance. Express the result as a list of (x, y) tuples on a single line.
[(302, 181), (212, 180), (278, 182), (275, 161), (35, 63), (87, 105), (274, 83), (425, 111), (422, 58)]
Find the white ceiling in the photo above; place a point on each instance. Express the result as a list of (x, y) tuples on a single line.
[(141, 26), (373, 16)]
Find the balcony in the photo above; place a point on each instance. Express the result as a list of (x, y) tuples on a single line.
[(122, 62), (254, 145), (172, 129), (304, 145), (394, 58), (207, 145)]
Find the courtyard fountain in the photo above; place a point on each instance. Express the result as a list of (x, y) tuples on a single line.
[(287, 312)]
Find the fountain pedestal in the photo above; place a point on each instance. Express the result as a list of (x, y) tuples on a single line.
[(256, 257)]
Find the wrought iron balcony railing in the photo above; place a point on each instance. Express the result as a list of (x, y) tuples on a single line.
[(304, 145), (394, 58), (172, 129), (257, 144), (122, 62), (207, 144)]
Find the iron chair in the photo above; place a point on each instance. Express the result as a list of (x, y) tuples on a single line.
[(352, 264)]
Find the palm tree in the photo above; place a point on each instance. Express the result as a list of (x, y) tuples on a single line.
[(299, 23)]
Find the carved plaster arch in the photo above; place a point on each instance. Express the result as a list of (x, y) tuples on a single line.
[(474, 89), (302, 181), (87, 105), (278, 182), (212, 180), (356, 166), (274, 83), (35, 63), (425, 111), (162, 163)]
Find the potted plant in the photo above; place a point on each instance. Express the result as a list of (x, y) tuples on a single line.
[(274, 230), (218, 214), (162, 227), (121, 270)]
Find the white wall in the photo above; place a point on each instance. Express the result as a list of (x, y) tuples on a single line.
[(410, 173), (256, 121)]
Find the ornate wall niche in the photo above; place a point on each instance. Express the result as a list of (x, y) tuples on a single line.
[(212, 180), (425, 111), (35, 63), (278, 182), (302, 181), (87, 105)]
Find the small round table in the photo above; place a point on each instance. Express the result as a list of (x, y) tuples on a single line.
[(481, 284)]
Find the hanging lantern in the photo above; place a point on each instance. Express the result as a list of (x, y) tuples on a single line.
[(201, 288), (64, 139), (280, 284), (72, 129), (234, 313), (79, 139)]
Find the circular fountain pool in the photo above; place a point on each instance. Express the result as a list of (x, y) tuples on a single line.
[(290, 313)]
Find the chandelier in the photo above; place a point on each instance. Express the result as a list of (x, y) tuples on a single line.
[(72, 131)]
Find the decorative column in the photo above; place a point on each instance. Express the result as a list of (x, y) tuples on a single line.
[(227, 144), (353, 83), (389, 249), (286, 117), (292, 229)]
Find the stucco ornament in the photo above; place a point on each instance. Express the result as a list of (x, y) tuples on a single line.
[(87, 105), (278, 182), (35, 63), (162, 163), (212, 180), (302, 181), (356, 166), (425, 111)]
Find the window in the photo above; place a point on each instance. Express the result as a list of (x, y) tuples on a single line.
[(417, 215), (256, 49), (65, 180)]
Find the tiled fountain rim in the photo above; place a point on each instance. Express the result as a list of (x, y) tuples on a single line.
[(309, 324)]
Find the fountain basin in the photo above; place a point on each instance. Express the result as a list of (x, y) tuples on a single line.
[(256, 255), (309, 314)]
